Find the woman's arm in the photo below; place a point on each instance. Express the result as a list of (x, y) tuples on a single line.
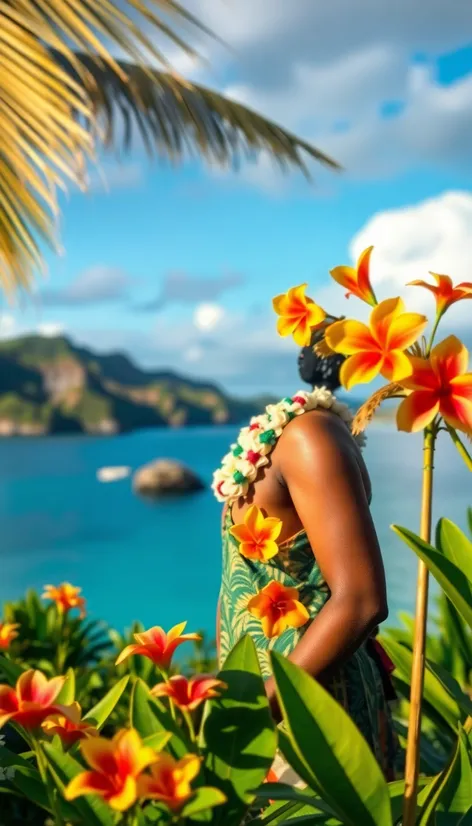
[(318, 462)]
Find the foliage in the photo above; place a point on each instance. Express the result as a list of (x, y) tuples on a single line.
[(233, 733)]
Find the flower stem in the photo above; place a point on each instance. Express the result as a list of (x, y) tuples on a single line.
[(433, 334), (191, 728), (419, 643)]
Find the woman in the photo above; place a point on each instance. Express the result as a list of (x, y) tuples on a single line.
[(308, 472)]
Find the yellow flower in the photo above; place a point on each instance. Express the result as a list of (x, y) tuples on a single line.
[(66, 597), (356, 280), (257, 535), (115, 766), (379, 347), (169, 781), (8, 633), (299, 315)]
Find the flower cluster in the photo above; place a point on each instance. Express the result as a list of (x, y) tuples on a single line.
[(433, 377), (240, 467), (66, 597)]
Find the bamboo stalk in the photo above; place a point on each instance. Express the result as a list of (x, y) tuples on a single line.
[(419, 643)]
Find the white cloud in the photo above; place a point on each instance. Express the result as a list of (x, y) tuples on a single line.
[(51, 329), (7, 325), (208, 316), (92, 286), (433, 235), (327, 73)]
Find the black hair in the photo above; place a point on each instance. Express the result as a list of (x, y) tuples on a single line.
[(316, 370)]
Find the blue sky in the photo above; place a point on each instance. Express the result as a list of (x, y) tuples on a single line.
[(388, 95)]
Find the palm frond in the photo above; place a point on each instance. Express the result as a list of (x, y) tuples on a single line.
[(175, 118), (367, 410), (63, 91)]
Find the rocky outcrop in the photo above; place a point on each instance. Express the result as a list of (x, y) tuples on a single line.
[(165, 476)]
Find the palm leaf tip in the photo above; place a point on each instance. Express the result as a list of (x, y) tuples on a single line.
[(174, 117), (366, 412)]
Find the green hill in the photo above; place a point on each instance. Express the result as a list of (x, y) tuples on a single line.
[(50, 385)]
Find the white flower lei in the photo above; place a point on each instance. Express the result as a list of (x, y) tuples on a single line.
[(239, 468)]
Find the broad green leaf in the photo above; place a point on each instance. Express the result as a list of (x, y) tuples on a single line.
[(66, 695), (314, 818), (469, 520), (26, 778), (455, 546), (100, 713), (452, 580), (466, 820), (434, 692), (338, 762), (238, 734), (90, 808), (11, 670), (206, 797), (149, 717)]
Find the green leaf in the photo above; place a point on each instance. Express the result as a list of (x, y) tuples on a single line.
[(149, 717), (451, 686), (337, 762), (238, 734), (452, 580), (460, 447), (90, 808), (281, 791), (469, 520), (455, 546), (26, 778), (11, 670), (434, 692), (205, 798), (66, 695), (396, 790), (100, 713), (157, 741)]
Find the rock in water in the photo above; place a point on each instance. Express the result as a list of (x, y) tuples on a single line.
[(165, 476)]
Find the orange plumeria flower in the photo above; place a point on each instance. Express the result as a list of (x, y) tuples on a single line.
[(444, 291), (8, 633), (440, 386), (71, 728), (278, 608), (157, 645), (189, 694), (170, 780), (356, 280), (116, 766), (379, 347), (31, 701), (299, 315), (66, 597), (257, 535)]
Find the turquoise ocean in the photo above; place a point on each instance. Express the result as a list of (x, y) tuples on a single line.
[(160, 562)]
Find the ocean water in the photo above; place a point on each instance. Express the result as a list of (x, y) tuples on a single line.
[(160, 562)]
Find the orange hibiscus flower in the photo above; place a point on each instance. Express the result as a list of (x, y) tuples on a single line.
[(66, 597), (157, 645), (70, 729), (115, 767), (257, 535), (31, 701), (189, 694), (169, 781), (299, 315), (8, 633), (278, 608), (356, 280), (440, 386), (379, 347), (444, 291)]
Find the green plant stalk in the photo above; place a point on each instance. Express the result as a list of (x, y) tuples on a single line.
[(51, 791), (460, 447), (419, 643), (433, 333), (191, 728)]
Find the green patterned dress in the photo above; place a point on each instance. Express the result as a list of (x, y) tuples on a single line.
[(359, 685)]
